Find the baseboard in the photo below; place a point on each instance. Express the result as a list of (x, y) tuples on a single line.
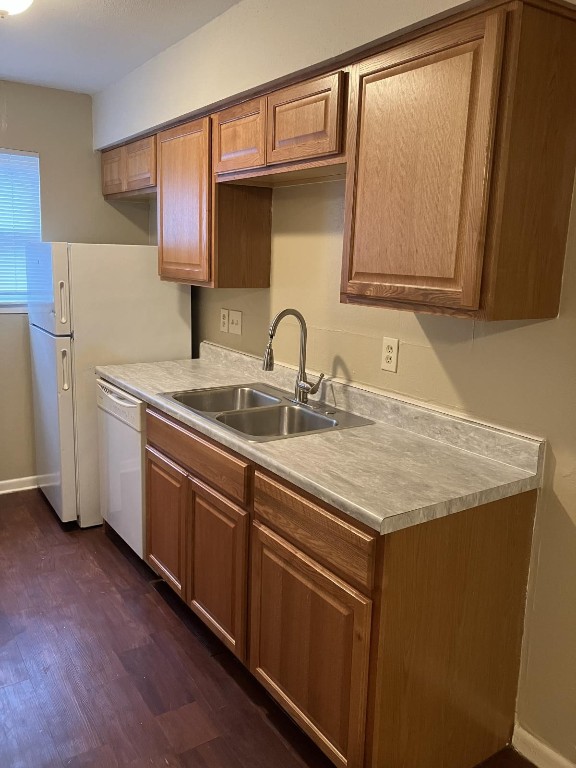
[(536, 751), (19, 484)]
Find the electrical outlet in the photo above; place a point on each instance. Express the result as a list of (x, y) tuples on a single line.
[(224, 320), (235, 322), (389, 355)]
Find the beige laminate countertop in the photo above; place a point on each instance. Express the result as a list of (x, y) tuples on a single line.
[(412, 465)]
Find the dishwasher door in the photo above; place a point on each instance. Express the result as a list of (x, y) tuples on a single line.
[(121, 459)]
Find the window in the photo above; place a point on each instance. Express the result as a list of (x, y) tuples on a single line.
[(19, 222)]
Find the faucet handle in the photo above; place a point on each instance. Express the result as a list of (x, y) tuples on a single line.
[(310, 389)]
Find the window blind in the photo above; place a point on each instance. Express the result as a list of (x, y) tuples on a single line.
[(19, 221)]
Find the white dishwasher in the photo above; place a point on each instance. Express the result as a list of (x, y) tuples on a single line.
[(121, 454)]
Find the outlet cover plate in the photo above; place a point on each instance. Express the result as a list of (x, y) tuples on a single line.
[(235, 325), (389, 355), (224, 320)]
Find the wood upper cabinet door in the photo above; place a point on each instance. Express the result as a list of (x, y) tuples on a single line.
[(218, 541), (419, 167), (309, 645), (184, 194), (239, 136), (141, 163), (167, 496), (113, 173), (305, 121)]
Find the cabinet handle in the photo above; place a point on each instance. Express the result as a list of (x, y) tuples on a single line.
[(65, 376), (63, 312)]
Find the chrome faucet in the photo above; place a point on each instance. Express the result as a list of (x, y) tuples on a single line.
[(303, 388)]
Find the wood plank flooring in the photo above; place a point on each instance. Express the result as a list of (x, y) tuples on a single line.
[(101, 666)]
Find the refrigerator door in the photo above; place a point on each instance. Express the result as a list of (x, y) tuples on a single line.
[(52, 388), (48, 287), (123, 313)]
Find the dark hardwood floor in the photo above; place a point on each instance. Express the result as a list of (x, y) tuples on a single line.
[(102, 666)]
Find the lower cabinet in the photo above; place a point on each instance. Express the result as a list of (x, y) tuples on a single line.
[(309, 644), (382, 648), (217, 546), (197, 541), (167, 496)]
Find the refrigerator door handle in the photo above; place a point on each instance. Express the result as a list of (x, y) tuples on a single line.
[(63, 312), (65, 371)]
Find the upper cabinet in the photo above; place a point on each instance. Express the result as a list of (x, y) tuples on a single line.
[(458, 188), (113, 176), (184, 202), (420, 172), (130, 168), (141, 164), (208, 235), (240, 136), (300, 123), (305, 121), (458, 141)]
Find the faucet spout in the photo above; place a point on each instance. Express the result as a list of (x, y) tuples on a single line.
[(268, 361), (302, 388)]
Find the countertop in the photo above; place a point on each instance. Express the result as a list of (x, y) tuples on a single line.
[(412, 465)]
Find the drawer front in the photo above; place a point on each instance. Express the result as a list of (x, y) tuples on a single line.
[(340, 546), (225, 472)]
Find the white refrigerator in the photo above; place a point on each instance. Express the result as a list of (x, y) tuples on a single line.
[(91, 305)]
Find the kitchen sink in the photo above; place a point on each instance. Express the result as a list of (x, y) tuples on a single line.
[(259, 412), (219, 399), (281, 421)]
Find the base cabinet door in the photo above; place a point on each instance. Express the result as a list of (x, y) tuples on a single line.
[(218, 546), (309, 644), (167, 494)]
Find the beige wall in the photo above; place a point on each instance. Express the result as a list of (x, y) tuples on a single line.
[(252, 43), (16, 424), (58, 125), (520, 375)]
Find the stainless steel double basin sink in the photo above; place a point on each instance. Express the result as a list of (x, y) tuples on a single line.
[(259, 412)]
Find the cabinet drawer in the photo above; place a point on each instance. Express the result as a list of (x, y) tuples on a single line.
[(225, 472), (345, 549)]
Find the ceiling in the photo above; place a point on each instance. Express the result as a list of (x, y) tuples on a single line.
[(84, 45)]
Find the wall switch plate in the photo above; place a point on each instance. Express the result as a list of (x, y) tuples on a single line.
[(235, 322), (389, 355), (224, 320)]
